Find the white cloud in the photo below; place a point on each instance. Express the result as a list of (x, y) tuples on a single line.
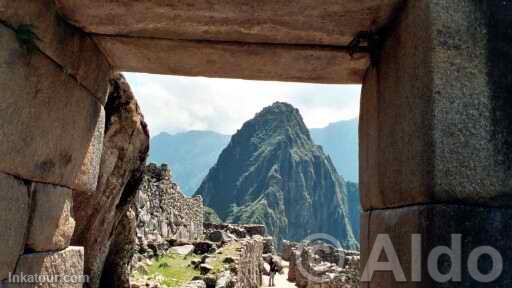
[(175, 103)]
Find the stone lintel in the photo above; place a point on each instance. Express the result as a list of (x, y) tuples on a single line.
[(315, 22), (315, 64)]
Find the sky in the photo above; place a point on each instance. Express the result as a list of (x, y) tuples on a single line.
[(176, 104)]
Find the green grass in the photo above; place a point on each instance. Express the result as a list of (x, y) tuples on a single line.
[(178, 272), (230, 250)]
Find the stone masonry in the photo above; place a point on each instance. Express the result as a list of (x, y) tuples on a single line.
[(248, 274), (125, 147), (435, 124), (54, 88), (435, 139), (163, 212)]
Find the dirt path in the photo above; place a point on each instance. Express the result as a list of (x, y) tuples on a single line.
[(281, 280)]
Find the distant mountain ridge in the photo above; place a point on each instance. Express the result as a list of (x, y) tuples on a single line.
[(272, 173), (341, 141), (191, 154)]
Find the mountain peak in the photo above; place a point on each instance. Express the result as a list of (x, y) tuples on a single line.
[(274, 123), (280, 107), (280, 110), (271, 167)]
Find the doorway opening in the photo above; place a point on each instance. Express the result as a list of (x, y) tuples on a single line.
[(279, 154)]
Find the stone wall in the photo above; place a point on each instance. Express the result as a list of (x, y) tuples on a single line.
[(248, 273), (125, 147), (435, 140), (163, 212), (238, 230), (117, 268), (322, 266), (54, 86)]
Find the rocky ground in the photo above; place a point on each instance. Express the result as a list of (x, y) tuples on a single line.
[(229, 256), (170, 246), (232, 256)]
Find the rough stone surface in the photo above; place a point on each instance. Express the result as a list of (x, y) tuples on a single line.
[(318, 265), (52, 225), (248, 273), (432, 111), (117, 268), (195, 284), (124, 150), (47, 118), (305, 22), (315, 64), (254, 229), (219, 236), (87, 180), (203, 247), (67, 262), (224, 281), (14, 215), (238, 230), (287, 250), (68, 46), (183, 250), (268, 245), (436, 224), (164, 213)]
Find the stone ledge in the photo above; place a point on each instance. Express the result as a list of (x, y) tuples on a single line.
[(314, 64)]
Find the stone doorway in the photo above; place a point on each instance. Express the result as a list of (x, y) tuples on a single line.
[(435, 133)]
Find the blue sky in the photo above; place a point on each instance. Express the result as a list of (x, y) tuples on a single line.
[(176, 104)]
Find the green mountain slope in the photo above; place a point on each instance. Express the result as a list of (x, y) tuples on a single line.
[(354, 207), (272, 173), (193, 153)]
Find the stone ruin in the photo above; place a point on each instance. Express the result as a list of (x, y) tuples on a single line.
[(319, 265), (243, 270), (435, 119), (163, 213)]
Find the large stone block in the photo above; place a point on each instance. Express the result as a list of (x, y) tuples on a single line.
[(51, 224), (433, 128), (71, 48), (14, 214), (324, 22), (90, 170), (315, 64), (97, 214), (63, 269), (436, 225), (47, 120)]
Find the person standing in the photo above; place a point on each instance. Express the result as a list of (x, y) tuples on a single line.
[(273, 271)]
